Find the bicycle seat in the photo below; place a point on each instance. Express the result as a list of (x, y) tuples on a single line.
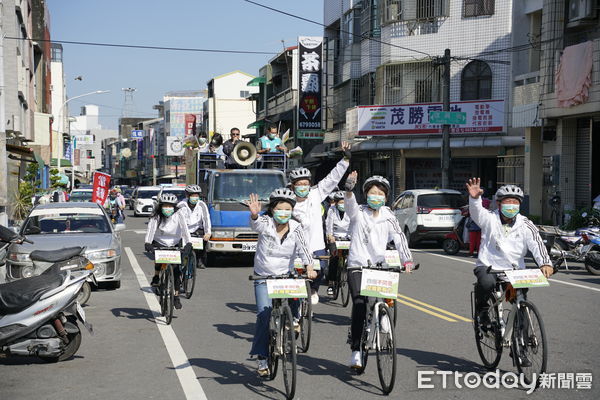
[(55, 255), (18, 295)]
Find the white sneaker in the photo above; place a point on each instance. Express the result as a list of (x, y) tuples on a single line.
[(384, 325), (355, 360), (314, 298), (296, 325), (263, 367)]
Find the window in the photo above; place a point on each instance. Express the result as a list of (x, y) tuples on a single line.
[(392, 11), (351, 27), (476, 83), (475, 8), (89, 154), (244, 94), (427, 9), (370, 19), (423, 91)]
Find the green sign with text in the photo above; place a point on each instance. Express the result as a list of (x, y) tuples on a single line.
[(447, 117)]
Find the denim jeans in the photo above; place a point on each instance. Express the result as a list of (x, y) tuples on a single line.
[(324, 269), (264, 306)]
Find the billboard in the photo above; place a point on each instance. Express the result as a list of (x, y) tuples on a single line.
[(310, 93)]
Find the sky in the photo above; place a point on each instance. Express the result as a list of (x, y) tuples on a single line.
[(207, 24)]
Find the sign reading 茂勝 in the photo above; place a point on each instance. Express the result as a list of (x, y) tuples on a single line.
[(310, 96)]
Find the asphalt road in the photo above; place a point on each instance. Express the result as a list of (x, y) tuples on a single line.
[(204, 352)]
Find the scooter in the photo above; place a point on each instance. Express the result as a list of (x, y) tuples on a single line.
[(38, 315), (582, 245), (453, 241)]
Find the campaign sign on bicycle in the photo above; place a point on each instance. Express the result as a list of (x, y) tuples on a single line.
[(300, 266), (392, 258), (342, 244), (524, 278), (286, 288), (382, 284), (197, 243), (167, 257)]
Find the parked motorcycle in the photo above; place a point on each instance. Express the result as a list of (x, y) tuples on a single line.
[(453, 241), (582, 245)]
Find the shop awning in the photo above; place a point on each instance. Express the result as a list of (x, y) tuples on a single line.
[(63, 162), (256, 81), (256, 124), (436, 143), (20, 150)]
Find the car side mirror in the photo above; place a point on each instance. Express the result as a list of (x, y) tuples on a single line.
[(154, 197), (120, 227)]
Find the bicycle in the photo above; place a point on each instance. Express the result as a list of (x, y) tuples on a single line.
[(168, 256), (282, 337), (378, 331), (341, 283), (516, 331), (188, 268), (305, 310)]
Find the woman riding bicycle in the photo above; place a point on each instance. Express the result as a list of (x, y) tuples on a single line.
[(373, 226), (280, 240), (195, 212), (336, 226), (167, 228)]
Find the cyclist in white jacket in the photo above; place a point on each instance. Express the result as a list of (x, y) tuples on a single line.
[(373, 226), (337, 226), (167, 228), (197, 217), (506, 236), (308, 209), (280, 240)]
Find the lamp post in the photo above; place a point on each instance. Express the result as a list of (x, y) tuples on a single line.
[(60, 117)]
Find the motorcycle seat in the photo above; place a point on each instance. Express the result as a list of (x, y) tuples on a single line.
[(18, 295), (567, 233), (55, 255)]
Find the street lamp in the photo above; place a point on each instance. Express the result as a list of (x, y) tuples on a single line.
[(60, 117)]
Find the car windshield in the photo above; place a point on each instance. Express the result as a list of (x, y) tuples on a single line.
[(81, 196), (66, 223), (447, 200), (238, 187), (179, 193), (127, 192), (146, 194)]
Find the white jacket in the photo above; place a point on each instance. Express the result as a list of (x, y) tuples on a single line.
[(273, 255), (196, 218), (308, 212), (335, 225), (370, 235), (502, 248), (170, 232)]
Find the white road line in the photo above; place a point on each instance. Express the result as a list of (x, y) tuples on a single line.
[(138, 231), (187, 378), (473, 263)]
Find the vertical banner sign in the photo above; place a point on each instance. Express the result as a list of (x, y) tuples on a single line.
[(151, 134), (140, 149), (77, 156), (66, 149), (101, 185), (310, 65), (190, 124)]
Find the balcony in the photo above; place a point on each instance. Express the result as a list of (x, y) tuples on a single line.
[(282, 102), (526, 100)]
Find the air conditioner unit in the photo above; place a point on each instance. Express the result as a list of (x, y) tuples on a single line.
[(580, 9)]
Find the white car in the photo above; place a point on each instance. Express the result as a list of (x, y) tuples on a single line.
[(81, 195), (143, 203), (426, 214)]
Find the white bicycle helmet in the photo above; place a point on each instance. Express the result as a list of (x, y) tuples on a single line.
[(377, 179), (300, 173), (193, 189), (168, 198), (282, 194), (339, 195), (510, 191)]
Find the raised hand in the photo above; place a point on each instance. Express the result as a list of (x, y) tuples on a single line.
[(474, 188), (351, 181), (254, 205), (346, 149)]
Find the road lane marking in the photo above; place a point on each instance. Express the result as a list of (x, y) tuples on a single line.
[(473, 263), (426, 310), (435, 308), (187, 378)]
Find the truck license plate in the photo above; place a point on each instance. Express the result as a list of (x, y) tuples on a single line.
[(248, 246)]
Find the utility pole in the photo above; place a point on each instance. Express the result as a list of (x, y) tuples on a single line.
[(445, 156)]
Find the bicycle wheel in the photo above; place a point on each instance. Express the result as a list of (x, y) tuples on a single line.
[(344, 282), (364, 350), (385, 347), (161, 290), (169, 293), (288, 356), (336, 285), (305, 323), (273, 353), (188, 275), (529, 342), (489, 340), (394, 312)]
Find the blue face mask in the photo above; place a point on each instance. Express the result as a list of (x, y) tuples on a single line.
[(375, 201), (282, 216), (167, 212), (193, 199), (302, 191), (271, 136), (510, 210), (341, 207)]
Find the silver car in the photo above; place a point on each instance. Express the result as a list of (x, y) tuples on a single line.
[(55, 226)]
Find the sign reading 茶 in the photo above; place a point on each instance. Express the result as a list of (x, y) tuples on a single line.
[(310, 98)]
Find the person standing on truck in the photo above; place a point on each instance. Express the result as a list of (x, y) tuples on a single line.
[(228, 147), (308, 208), (270, 142), (195, 213)]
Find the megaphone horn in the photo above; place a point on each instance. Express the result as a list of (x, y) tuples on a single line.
[(244, 153)]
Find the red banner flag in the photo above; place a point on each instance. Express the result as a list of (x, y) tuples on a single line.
[(101, 186), (190, 124)]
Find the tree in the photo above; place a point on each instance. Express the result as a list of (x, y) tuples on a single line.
[(28, 188)]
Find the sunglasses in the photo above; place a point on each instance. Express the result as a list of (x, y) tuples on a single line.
[(235, 134)]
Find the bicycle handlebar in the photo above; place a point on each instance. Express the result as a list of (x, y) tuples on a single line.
[(282, 276), (385, 267)]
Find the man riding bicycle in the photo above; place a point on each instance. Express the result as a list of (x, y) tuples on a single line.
[(337, 226), (195, 213)]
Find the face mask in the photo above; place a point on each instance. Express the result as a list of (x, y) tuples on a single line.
[(167, 212), (282, 216), (302, 191), (341, 207), (193, 199), (510, 210), (271, 136), (375, 201)]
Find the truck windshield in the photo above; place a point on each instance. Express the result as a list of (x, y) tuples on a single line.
[(238, 187)]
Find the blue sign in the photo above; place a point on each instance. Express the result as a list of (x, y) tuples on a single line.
[(137, 134)]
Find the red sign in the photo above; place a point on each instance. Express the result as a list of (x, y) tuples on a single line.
[(190, 124), (101, 186)]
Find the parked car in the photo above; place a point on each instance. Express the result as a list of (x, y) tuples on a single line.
[(131, 201), (426, 214), (81, 195), (143, 203), (127, 192), (55, 226)]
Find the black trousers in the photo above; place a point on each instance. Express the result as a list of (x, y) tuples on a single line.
[(486, 283), (359, 308)]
